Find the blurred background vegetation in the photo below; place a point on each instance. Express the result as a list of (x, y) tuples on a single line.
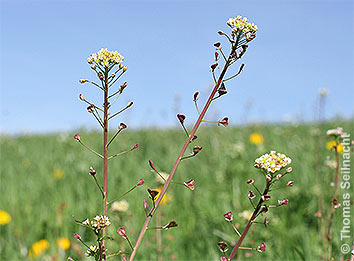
[(45, 182)]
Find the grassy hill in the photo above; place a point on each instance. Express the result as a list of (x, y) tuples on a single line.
[(45, 182)]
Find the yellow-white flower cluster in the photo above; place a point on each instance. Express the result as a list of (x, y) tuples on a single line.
[(239, 24), (272, 162), (98, 222), (105, 58)]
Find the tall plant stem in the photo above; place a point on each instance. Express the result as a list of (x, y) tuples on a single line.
[(254, 216), (105, 155), (330, 221), (174, 168)]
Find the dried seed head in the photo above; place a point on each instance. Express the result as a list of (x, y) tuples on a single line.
[(181, 118), (213, 66), (228, 216), (196, 149), (217, 45), (92, 171), (222, 90), (264, 209), (266, 222), (170, 224), (222, 246), (195, 96), (189, 184), (290, 183), (269, 177), (122, 126), (265, 197), (122, 232), (224, 121), (251, 195), (262, 247), (153, 194), (250, 181), (90, 109)]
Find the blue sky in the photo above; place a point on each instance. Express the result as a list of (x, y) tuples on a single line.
[(301, 47)]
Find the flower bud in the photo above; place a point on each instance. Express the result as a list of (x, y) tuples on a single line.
[(141, 182), (279, 176), (228, 216), (289, 170), (145, 205), (77, 137), (129, 104), (189, 184), (123, 86), (121, 66), (101, 76), (135, 146), (221, 32), (77, 236), (222, 258), (213, 66), (217, 45), (93, 66), (222, 90), (82, 80), (125, 68), (266, 222), (152, 165), (81, 97)]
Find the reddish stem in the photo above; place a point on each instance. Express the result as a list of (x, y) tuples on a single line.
[(105, 154), (174, 168), (245, 231)]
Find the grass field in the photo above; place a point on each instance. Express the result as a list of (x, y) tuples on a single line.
[(45, 181)]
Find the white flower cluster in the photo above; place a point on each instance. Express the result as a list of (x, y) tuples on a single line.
[(91, 251), (239, 24), (272, 162), (105, 58), (337, 132), (98, 222)]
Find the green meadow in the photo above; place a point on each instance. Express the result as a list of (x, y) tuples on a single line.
[(45, 185)]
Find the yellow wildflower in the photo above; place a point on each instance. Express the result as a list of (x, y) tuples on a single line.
[(331, 144), (58, 173), (166, 198), (5, 217), (63, 243), (256, 138), (38, 248)]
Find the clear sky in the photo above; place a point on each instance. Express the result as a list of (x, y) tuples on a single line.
[(301, 47)]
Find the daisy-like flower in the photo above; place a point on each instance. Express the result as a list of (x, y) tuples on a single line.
[(105, 58), (241, 26), (272, 162)]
